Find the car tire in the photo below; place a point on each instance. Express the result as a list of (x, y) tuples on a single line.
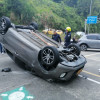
[(49, 57), (83, 47), (35, 25), (5, 23), (75, 49)]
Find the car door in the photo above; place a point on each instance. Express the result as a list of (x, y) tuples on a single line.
[(98, 42), (93, 41)]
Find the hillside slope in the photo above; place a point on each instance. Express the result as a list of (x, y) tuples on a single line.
[(56, 14)]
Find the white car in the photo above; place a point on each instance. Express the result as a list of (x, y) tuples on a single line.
[(80, 33)]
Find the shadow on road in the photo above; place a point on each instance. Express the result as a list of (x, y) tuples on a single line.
[(64, 83), (92, 50)]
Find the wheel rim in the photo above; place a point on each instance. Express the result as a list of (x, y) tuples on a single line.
[(83, 47), (3, 24), (48, 56), (74, 50)]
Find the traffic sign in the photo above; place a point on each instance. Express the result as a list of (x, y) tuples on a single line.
[(92, 20)]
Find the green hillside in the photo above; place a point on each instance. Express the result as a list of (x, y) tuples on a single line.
[(56, 14)]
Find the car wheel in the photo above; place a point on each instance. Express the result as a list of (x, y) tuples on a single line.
[(74, 49), (5, 23), (49, 57), (83, 47), (35, 25)]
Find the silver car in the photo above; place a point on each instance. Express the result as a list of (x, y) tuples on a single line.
[(89, 41)]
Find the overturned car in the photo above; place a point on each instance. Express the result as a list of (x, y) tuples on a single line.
[(38, 53)]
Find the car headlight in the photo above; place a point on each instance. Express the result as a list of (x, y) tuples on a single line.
[(62, 75)]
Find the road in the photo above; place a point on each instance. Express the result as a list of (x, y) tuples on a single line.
[(85, 87)]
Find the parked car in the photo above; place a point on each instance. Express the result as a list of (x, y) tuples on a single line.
[(89, 41), (40, 54), (51, 31), (80, 33), (59, 32)]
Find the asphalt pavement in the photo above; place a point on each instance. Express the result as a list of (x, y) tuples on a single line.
[(85, 87)]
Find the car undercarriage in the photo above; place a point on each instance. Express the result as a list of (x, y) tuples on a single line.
[(38, 53)]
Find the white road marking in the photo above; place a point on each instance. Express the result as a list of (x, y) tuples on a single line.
[(91, 54), (4, 95), (94, 59), (88, 56), (30, 97), (92, 80)]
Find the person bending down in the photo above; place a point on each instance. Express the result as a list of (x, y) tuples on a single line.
[(56, 37)]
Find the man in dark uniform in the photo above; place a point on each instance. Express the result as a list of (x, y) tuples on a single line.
[(56, 37), (0, 48), (68, 36)]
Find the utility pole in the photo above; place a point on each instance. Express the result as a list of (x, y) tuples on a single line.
[(90, 15), (85, 25), (90, 7)]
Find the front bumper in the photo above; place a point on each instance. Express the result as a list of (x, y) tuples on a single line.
[(67, 69)]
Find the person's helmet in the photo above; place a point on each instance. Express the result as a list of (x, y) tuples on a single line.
[(68, 29)]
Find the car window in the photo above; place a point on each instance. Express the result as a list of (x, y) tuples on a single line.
[(98, 37), (92, 37)]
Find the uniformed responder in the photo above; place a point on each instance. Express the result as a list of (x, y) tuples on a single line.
[(56, 37), (0, 48), (67, 36)]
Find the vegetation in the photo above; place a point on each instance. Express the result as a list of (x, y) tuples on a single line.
[(56, 14)]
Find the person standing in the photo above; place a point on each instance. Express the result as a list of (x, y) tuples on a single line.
[(67, 36), (0, 48), (56, 37)]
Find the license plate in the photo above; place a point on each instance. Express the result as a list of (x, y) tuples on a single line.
[(79, 71)]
